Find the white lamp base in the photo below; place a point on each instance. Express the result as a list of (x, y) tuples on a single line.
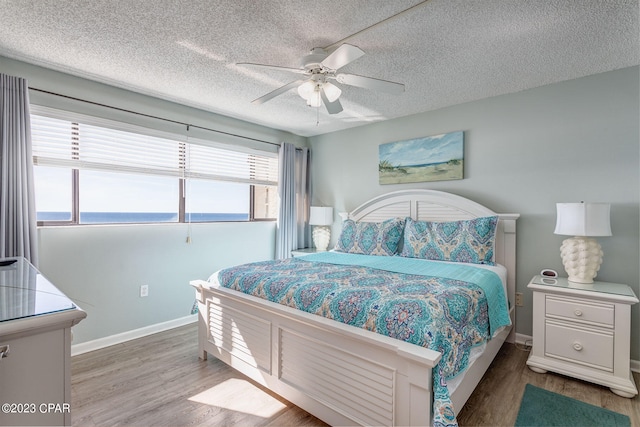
[(321, 237), (581, 257)]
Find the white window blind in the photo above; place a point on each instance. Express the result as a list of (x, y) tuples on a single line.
[(64, 142), (219, 164)]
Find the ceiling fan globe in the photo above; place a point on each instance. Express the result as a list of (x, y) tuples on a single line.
[(306, 89), (314, 100), (332, 91)]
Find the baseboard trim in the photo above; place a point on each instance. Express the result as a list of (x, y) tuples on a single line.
[(524, 339), (99, 343), (527, 340)]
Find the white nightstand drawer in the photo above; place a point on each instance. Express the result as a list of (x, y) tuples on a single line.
[(591, 348), (575, 309)]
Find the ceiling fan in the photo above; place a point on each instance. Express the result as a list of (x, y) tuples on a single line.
[(319, 68)]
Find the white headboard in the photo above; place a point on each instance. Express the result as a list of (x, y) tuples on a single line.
[(431, 205)]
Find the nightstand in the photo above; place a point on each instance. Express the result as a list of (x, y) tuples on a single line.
[(305, 251), (583, 331)]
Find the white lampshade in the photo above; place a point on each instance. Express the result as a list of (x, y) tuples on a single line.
[(583, 219), (314, 100), (321, 215), (333, 92), (306, 89), (582, 255), (310, 91)]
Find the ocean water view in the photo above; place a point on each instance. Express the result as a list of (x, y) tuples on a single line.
[(139, 217)]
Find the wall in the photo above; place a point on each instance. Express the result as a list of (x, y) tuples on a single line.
[(103, 267), (567, 142)]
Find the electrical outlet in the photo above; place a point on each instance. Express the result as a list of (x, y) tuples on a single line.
[(519, 300), (144, 291)]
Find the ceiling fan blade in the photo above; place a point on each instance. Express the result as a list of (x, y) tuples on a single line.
[(272, 67), (332, 107), (342, 56), (370, 83), (277, 92)]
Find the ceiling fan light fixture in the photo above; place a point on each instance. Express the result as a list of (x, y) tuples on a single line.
[(332, 91), (317, 68)]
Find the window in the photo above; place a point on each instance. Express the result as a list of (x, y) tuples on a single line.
[(107, 197), (53, 195), (217, 201), (93, 171)]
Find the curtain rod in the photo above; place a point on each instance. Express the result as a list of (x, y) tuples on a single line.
[(188, 125)]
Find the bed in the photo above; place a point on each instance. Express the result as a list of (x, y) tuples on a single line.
[(344, 374)]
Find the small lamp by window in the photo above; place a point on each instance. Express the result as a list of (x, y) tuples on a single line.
[(321, 218), (582, 255)]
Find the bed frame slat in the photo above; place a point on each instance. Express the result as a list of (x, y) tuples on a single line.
[(244, 336), (320, 381)]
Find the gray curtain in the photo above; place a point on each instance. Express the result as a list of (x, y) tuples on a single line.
[(17, 201), (294, 189)]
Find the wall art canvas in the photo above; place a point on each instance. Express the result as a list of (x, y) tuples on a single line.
[(430, 158)]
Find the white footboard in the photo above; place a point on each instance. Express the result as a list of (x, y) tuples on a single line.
[(341, 374)]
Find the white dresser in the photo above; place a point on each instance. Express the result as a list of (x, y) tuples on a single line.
[(35, 347), (583, 331)]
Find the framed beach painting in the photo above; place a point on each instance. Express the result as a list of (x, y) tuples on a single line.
[(430, 158)]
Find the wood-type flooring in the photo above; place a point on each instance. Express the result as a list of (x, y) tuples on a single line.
[(159, 381)]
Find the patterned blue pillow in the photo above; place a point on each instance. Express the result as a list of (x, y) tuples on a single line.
[(471, 241), (370, 238)]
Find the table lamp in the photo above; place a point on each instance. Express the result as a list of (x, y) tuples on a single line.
[(321, 218), (582, 255)]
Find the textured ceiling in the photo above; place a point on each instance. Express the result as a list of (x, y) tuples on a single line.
[(446, 52)]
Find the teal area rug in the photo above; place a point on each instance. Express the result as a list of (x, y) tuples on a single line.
[(541, 407)]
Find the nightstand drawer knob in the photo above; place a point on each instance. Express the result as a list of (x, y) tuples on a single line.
[(577, 346), (577, 312)]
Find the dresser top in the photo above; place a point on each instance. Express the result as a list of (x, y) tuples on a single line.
[(25, 292), (614, 290)]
